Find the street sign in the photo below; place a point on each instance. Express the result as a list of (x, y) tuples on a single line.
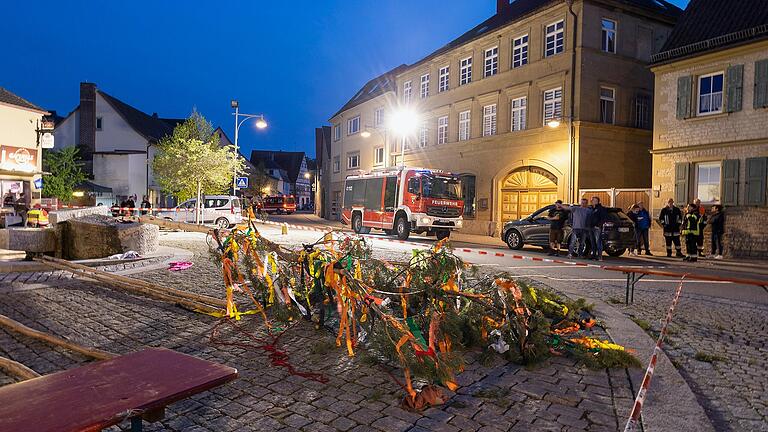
[(242, 182), (38, 183), (47, 141)]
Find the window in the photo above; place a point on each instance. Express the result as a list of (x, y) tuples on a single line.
[(708, 182), (378, 117), (609, 36), (424, 86), (336, 132), (607, 105), (442, 130), (491, 62), (553, 39), (519, 111), (407, 89), (98, 123), (466, 71), (444, 82), (378, 156), (424, 134), (711, 94), (642, 112), (489, 120), (353, 160), (353, 125), (336, 164), (553, 104), (464, 123), (520, 51)]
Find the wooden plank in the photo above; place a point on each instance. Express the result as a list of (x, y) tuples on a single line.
[(53, 340), (17, 369), (102, 394)]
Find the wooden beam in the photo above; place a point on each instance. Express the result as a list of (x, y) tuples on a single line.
[(17, 369), (53, 340)]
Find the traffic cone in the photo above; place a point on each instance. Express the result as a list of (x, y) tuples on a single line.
[(285, 229)]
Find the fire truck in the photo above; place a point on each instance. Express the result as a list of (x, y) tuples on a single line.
[(403, 201)]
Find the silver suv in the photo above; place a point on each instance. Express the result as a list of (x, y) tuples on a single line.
[(221, 210)]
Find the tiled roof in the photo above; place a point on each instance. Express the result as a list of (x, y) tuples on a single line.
[(711, 24), (373, 88), (151, 128), (290, 162), (12, 99)]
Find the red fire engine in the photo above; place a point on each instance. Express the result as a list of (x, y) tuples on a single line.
[(403, 201)]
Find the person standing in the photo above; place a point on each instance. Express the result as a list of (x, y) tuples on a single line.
[(598, 217), (717, 225), (21, 207), (671, 218), (580, 224), (691, 225), (702, 223), (557, 217), (145, 205), (642, 226)]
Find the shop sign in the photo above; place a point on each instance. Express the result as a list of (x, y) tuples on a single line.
[(47, 140), (18, 159)]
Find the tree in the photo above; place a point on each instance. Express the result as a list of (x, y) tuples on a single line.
[(259, 180), (65, 168), (191, 163)]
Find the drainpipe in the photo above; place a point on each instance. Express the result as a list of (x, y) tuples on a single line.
[(571, 130), (147, 181)]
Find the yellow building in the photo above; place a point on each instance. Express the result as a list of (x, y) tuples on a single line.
[(710, 135), (20, 146), (538, 102)]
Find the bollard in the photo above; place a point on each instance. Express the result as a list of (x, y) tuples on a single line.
[(285, 229)]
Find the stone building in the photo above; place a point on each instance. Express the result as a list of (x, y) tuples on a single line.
[(710, 135), (540, 101)]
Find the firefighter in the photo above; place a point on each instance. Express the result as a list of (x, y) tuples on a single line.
[(691, 230), (702, 224), (670, 218)]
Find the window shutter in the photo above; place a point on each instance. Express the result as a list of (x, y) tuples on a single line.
[(682, 175), (735, 89), (761, 84), (684, 97), (730, 184), (755, 184)]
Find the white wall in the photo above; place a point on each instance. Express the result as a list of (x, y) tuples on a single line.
[(115, 133), (66, 132), (124, 173)]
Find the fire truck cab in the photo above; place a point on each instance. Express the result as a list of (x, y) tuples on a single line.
[(403, 201)]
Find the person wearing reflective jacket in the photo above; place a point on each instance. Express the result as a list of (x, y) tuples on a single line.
[(691, 230)]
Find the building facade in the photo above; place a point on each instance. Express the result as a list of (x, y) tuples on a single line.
[(291, 168), (710, 139), (20, 147), (536, 103)]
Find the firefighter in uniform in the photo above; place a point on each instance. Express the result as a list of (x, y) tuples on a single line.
[(702, 224), (670, 218), (691, 230)]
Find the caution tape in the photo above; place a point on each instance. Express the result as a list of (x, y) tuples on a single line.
[(634, 416)]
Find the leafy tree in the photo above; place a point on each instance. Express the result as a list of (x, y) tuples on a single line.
[(191, 163), (65, 166)]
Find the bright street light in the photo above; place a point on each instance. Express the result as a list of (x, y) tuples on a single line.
[(365, 134), (261, 123), (553, 123), (404, 122), (307, 175)]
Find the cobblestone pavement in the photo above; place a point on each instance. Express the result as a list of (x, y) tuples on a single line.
[(556, 396), (718, 345)]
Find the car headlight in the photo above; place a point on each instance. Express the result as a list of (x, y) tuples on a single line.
[(425, 221)]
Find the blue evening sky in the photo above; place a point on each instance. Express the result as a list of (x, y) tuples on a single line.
[(296, 61)]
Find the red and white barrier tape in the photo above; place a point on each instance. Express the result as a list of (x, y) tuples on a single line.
[(634, 416)]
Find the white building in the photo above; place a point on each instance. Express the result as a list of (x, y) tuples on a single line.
[(117, 143)]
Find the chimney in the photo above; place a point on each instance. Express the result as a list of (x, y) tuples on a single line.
[(502, 5), (87, 128), (154, 115)]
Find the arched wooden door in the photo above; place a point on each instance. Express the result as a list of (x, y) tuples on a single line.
[(526, 190)]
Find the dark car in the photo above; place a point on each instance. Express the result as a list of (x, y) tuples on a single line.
[(618, 232)]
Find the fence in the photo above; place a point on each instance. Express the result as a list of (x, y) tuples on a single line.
[(621, 198)]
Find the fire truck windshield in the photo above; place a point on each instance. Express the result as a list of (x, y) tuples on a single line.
[(441, 187)]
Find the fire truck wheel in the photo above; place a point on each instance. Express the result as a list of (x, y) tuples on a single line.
[(403, 228), (357, 224), (443, 233)]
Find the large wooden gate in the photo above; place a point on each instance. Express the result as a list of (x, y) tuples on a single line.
[(525, 190)]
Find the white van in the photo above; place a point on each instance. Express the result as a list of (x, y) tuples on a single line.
[(221, 210)]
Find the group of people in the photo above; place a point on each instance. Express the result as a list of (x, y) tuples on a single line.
[(587, 223), (691, 226), (127, 206), (35, 217)]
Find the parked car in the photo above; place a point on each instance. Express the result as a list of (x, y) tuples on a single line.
[(618, 232), (221, 210), (280, 204)]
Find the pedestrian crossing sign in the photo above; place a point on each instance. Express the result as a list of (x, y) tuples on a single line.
[(242, 183)]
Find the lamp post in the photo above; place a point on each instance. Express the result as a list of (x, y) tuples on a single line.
[(555, 123), (260, 124)]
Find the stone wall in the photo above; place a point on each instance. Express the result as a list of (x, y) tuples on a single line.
[(97, 236)]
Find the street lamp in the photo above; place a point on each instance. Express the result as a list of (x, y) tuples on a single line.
[(553, 124), (403, 123), (260, 124)]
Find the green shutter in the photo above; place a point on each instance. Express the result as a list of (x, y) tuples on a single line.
[(761, 84), (755, 181), (684, 97), (682, 176), (730, 183), (735, 89)]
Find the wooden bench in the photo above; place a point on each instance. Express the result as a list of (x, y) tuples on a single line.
[(135, 386)]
